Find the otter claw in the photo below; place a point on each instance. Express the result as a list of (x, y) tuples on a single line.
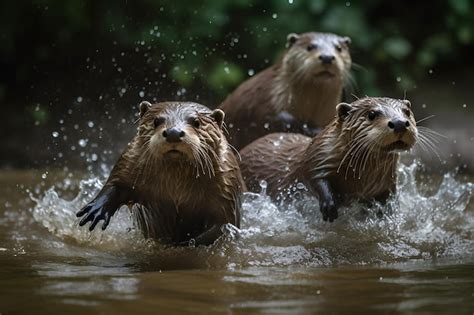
[(94, 213), (329, 210)]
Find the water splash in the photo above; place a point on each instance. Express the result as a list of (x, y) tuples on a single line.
[(414, 225)]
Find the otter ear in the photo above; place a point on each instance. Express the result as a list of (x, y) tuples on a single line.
[(291, 39), (343, 110), (407, 103), (218, 116), (346, 40), (144, 107)]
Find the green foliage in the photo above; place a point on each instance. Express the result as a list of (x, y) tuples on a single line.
[(213, 44)]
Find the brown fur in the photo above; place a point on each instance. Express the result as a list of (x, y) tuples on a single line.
[(354, 154), (299, 86), (178, 195)]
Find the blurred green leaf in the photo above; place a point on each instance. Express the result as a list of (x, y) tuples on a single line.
[(460, 6), (225, 74), (397, 47)]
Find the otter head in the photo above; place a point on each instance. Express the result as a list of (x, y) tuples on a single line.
[(317, 56), (182, 131), (377, 124)]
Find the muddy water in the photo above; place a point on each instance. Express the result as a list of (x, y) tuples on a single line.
[(418, 257)]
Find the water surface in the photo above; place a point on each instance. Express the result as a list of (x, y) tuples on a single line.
[(418, 257)]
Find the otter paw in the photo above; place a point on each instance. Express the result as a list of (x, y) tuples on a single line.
[(94, 212), (329, 210)]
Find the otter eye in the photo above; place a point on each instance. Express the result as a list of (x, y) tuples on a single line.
[(195, 123), (338, 47), (407, 112), (158, 121), (311, 47), (372, 115)]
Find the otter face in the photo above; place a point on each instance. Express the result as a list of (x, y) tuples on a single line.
[(177, 131), (318, 55), (384, 124)]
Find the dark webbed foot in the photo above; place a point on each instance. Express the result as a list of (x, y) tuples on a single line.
[(328, 208), (94, 212), (327, 201), (103, 207)]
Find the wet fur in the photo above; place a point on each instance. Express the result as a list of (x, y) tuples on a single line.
[(178, 199), (349, 154), (289, 87)]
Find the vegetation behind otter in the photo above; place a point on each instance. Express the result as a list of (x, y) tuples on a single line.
[(75, 59)]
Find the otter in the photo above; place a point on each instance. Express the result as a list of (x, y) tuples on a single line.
[(178, 176), (297, 94), (354, 157)]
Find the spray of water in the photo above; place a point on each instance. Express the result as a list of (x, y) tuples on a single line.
[(414, 225)]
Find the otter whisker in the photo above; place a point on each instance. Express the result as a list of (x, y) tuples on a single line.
[(236, 151), (353, 155), (349, 151), (429, 144), (425, 118), (199, 159), (357, 156), (366, 154), (428, 131)]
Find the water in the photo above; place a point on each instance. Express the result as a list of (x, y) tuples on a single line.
[(417, 257)]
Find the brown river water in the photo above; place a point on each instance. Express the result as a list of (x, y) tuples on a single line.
[(416, 258)]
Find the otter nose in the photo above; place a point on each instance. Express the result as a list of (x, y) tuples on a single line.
[(326, 59), (173, 134), (398, 125)]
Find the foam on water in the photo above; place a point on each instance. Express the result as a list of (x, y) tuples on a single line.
[(414, 225)]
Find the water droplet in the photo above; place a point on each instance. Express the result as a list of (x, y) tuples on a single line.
[(44, 175), (263, 184), (290, 1), (399, 79), (141, 94), (90, 124), (300, 185), (79, 99), (226, 70), (55, 134), (274, 15), (251, 72), (94, 157), (82, 143)]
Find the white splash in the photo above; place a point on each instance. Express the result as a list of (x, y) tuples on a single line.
[(418, 226)]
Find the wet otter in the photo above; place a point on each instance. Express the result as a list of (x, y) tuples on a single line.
[(298, 94), (178, 176), (355, 157)]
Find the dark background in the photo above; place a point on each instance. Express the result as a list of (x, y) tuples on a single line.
[(72, 72)]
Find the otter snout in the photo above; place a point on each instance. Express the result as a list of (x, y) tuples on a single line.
[(173, 135), (327, 59), (398, 125)]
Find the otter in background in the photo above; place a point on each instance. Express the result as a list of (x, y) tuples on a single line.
[(298, 94), (178, 175), (354, 157)]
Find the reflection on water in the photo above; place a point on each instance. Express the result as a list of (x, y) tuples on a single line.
[(419, 256)]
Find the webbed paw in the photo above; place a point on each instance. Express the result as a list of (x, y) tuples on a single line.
[(96, 211), (328, 208)]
